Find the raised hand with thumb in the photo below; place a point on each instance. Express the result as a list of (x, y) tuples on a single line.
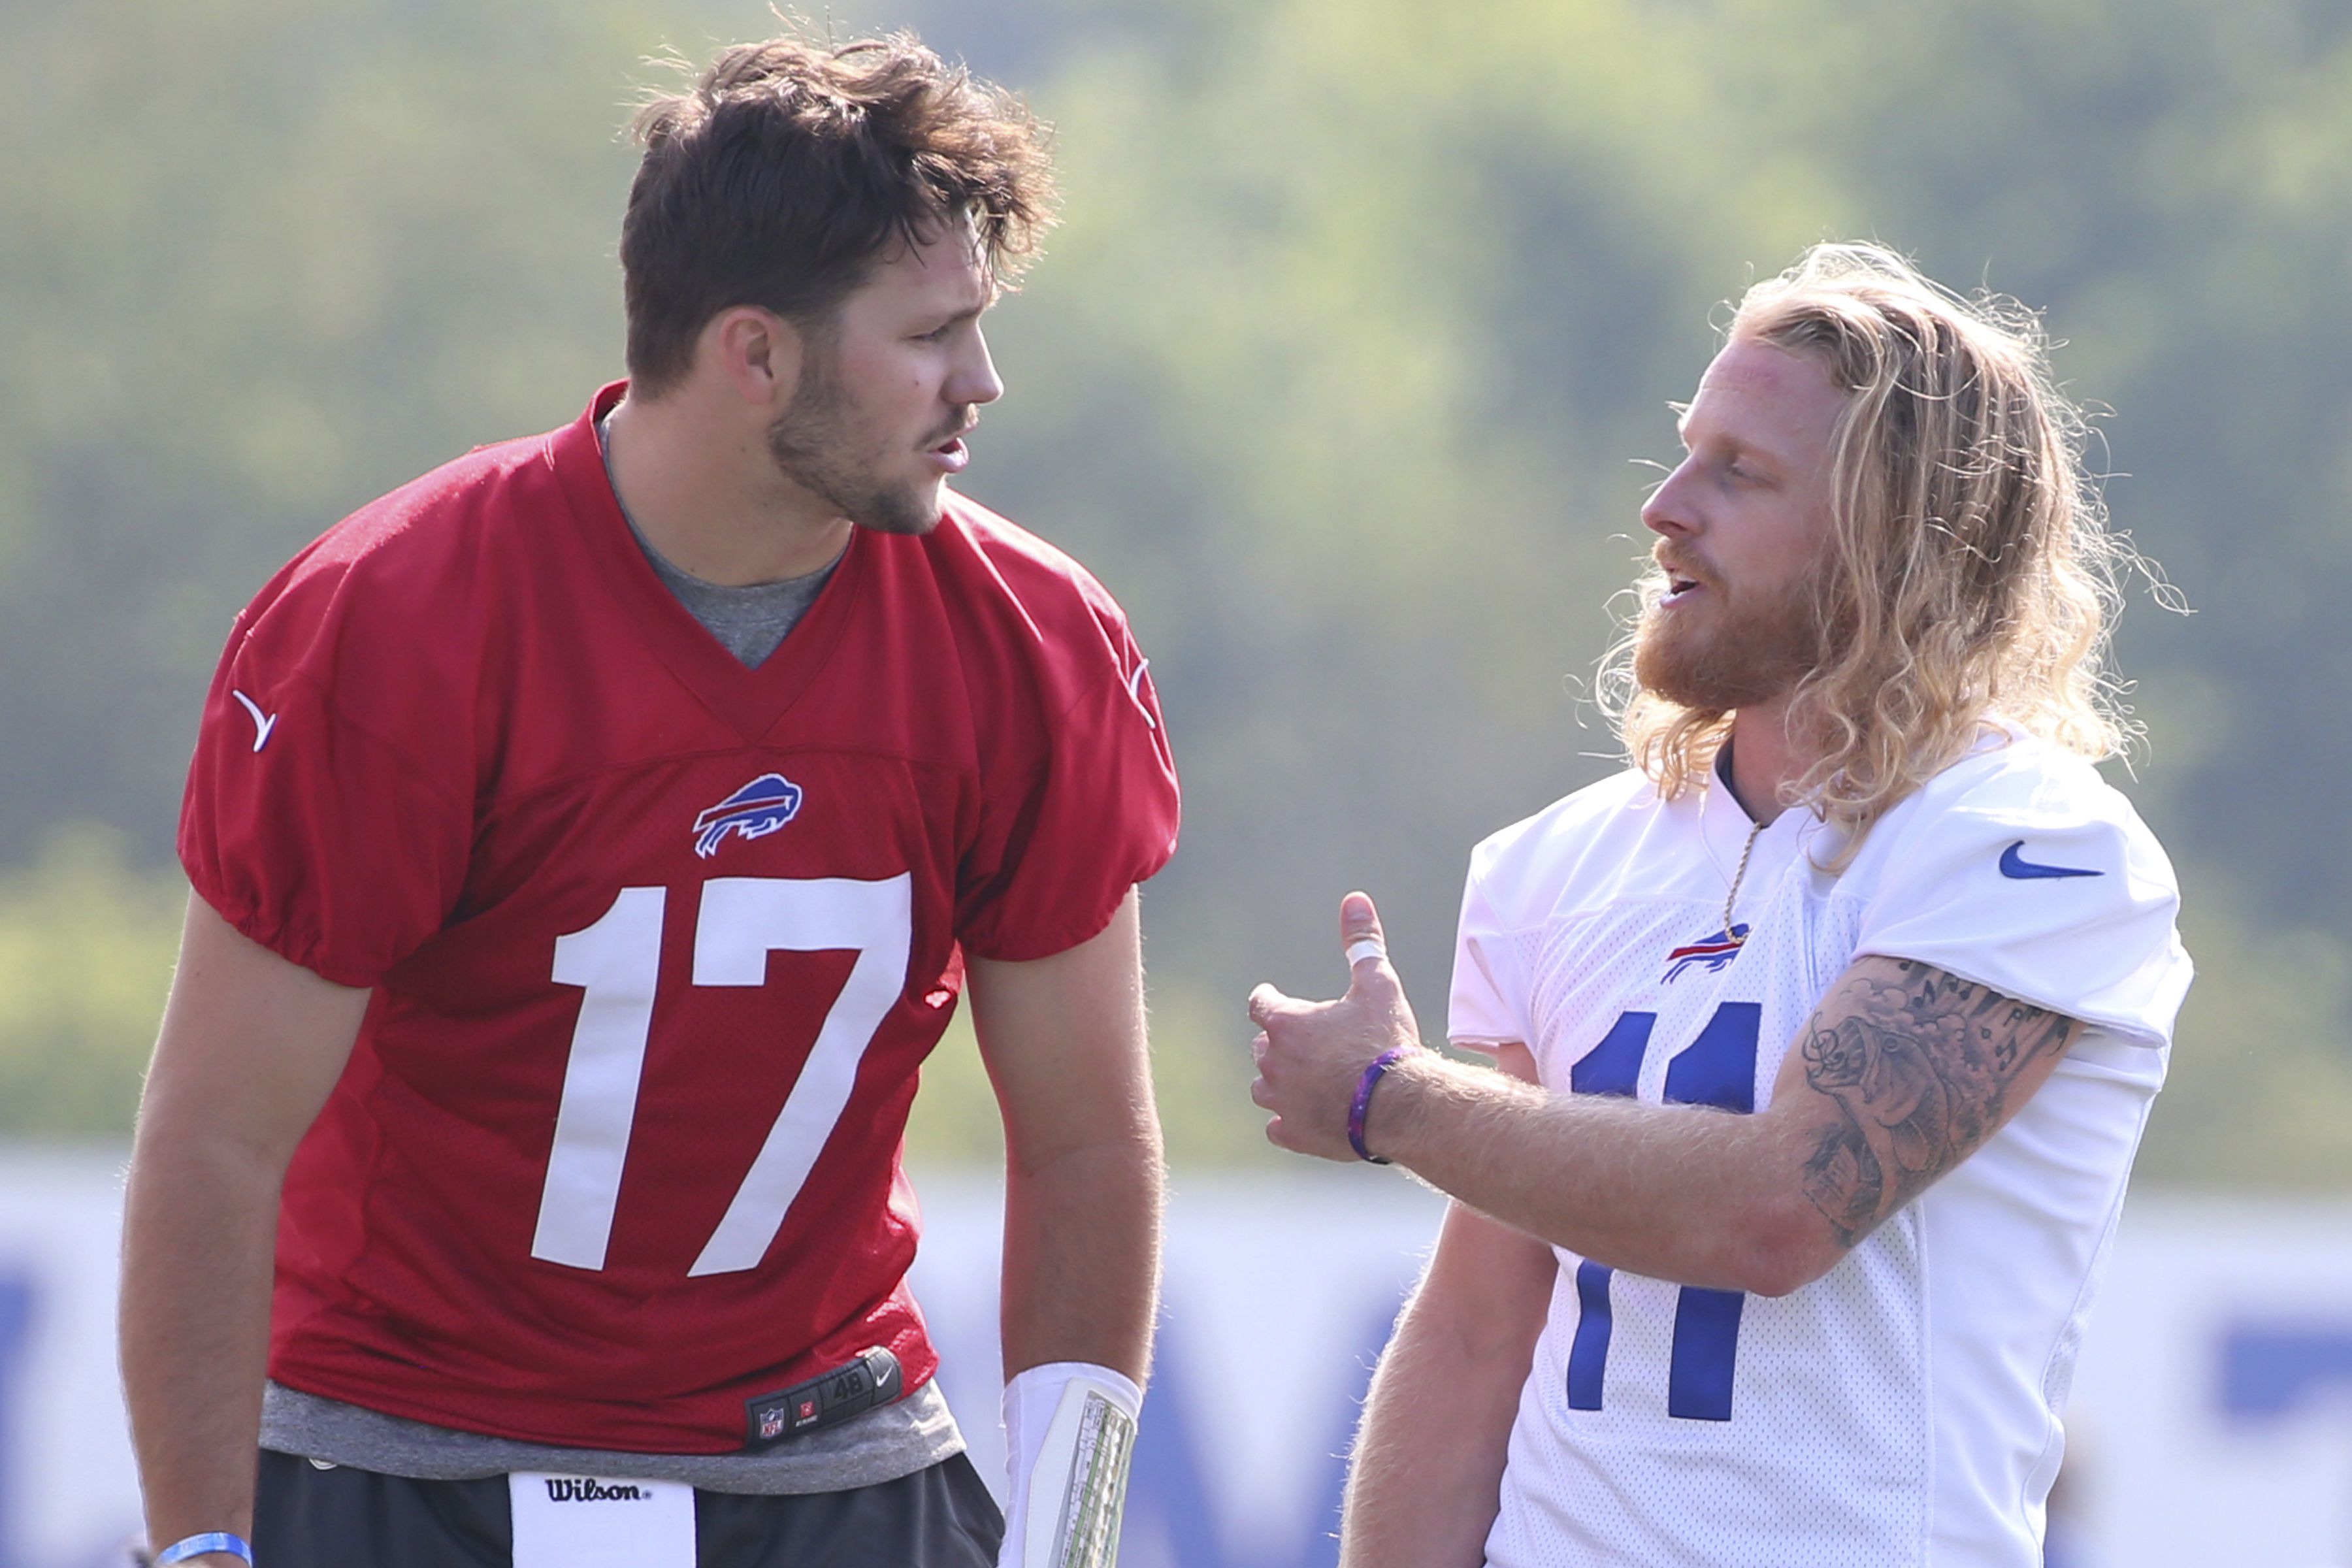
[(1317, 1060)]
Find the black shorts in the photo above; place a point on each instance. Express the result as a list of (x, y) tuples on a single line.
[(305, 1516)]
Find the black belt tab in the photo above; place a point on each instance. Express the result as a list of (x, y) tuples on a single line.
[(824, 1400)]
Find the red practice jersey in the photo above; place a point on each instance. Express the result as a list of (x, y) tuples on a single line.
[(657, 943)]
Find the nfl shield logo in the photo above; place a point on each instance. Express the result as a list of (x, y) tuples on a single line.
[(772, 1423)]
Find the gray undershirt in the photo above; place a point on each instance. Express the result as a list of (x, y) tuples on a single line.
[(865, 1450), (749, 621), (879, 1445)]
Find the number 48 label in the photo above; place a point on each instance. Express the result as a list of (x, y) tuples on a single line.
[(616, 962)]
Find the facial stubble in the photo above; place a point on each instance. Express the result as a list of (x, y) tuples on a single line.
[(815, 443)]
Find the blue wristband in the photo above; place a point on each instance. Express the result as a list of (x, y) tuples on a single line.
[(197, 1545)]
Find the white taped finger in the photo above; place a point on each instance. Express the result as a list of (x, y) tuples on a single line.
[(1365, 947)]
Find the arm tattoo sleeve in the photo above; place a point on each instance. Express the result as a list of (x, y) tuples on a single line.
[(1919, 1062)]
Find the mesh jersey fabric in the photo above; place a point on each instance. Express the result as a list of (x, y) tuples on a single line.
[(657, 943), (1904, 1407)]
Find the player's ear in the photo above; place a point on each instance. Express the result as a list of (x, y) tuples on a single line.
[(756, 353)]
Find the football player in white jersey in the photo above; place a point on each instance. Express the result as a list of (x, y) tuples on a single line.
[(1828, 1028)]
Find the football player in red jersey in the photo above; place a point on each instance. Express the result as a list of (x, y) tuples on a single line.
[(589, 840)]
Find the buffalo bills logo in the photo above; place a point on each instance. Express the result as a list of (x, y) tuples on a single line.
[(756, 810), (1711, 953)]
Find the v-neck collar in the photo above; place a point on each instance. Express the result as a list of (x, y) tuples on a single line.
[(748, 700), (1726, 828)]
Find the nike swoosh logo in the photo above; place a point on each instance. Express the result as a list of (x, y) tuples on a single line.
[(1135, 693), (2012, 864), (262, 722)]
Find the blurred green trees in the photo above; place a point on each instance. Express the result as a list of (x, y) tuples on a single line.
[(1338, 373), (86, 945)]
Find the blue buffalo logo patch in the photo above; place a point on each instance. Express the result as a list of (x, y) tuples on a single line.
[(1711, 953), (756, 810)]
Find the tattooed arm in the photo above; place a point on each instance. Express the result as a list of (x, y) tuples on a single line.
[(1904, 1071)]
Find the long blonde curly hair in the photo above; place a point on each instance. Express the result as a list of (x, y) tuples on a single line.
[(1969, 570)]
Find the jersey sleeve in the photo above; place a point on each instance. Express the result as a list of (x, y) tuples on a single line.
[(2049, 892), (1489, 1005), (312, 824), (1096, 813)]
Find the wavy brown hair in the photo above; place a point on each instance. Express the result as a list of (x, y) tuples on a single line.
[(1969, 572), (792, 165)]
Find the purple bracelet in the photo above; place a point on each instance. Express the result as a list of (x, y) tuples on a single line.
[(1363, 1101)]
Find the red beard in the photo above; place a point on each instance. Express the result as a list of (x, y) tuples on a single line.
[(1736, 651)]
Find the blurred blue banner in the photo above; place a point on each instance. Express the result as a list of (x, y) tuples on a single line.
[(2211, 1420)]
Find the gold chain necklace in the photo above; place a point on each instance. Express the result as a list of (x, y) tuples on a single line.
[(1731, 898)]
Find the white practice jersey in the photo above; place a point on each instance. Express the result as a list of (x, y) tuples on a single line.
[(1903, 1409)]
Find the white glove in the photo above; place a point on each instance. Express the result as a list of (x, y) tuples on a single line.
[(1069, 1431)]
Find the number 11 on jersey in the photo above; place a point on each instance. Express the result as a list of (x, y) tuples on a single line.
[(617, 964), (1718, 1070)]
